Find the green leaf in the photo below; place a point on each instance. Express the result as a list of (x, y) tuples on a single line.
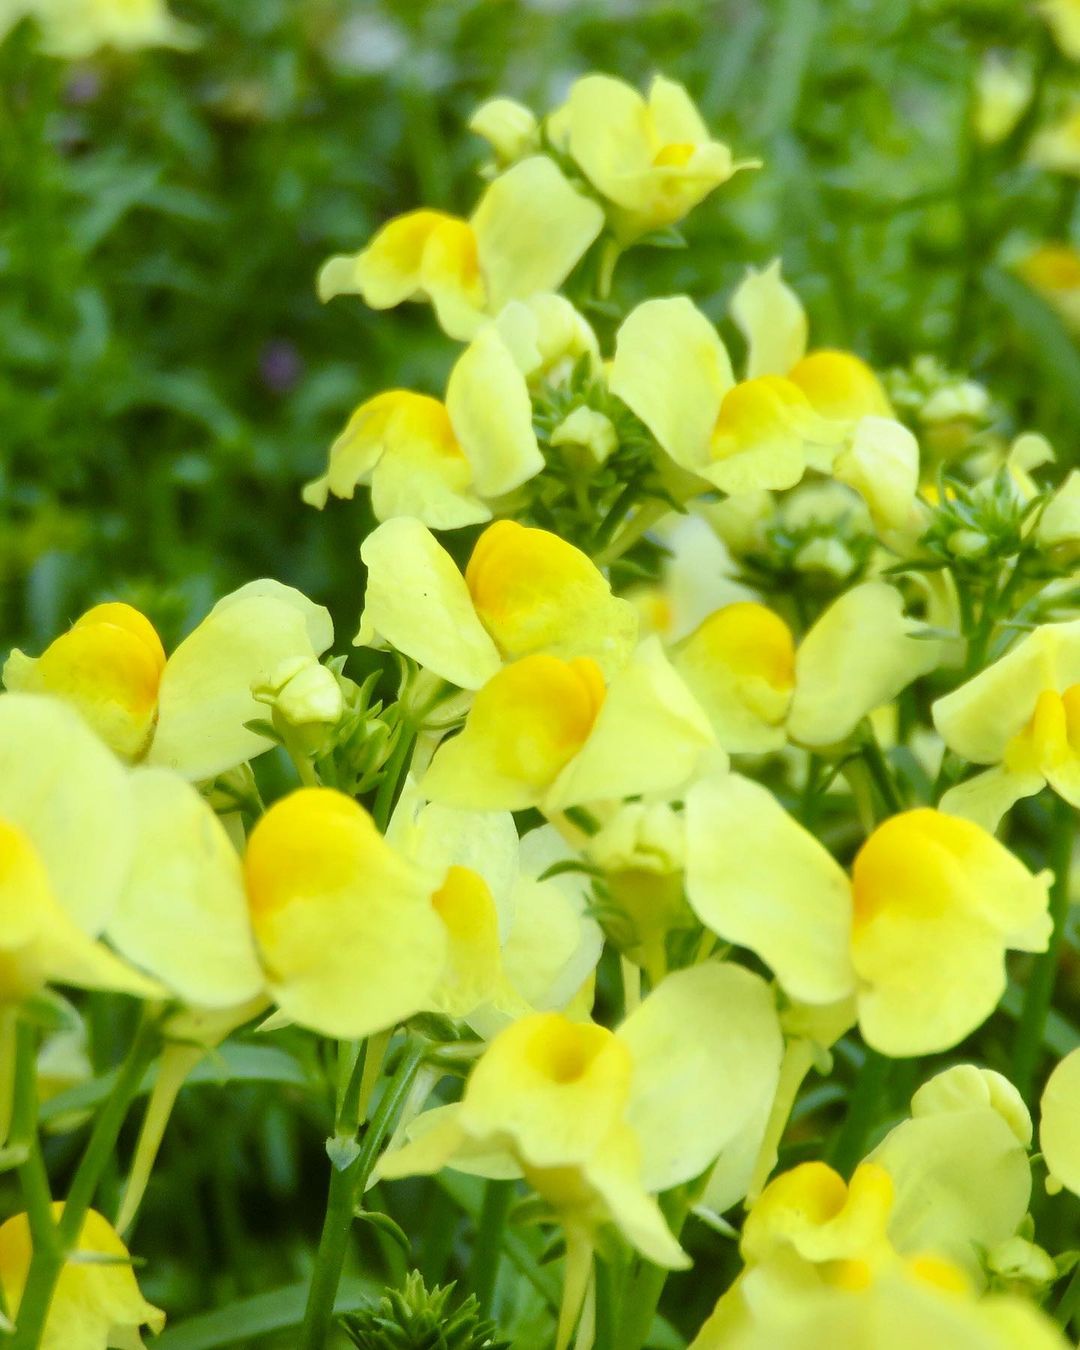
[(248, 1317), (1049, 343)]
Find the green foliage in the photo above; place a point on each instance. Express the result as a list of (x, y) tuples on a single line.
[(415, 1318)]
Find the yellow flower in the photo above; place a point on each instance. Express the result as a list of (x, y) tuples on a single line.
[(1056, 147), (345, 928), (65, 848), (1022, 716), (188, 712), (918, 934), (550, 733), (1063, 16), (76, 29), (508, 127), (1058, 1137), (96, 1302), (524, 591), (599, 1121), (793, 410), (652, 159), (742, 666), (439, 461), (548, 337), (527, 233), (1053, 270), (959, 1167)]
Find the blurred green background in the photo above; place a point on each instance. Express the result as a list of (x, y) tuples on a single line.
[(168, 378)]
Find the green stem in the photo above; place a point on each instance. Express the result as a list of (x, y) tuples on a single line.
[(881, 773), (346, 1190), (645, 1282), (1040, 986), (395, 771), (606, 1311), (864, 1110), (484, 1267), (1070, 1300), (51, 1247), (646, 517)]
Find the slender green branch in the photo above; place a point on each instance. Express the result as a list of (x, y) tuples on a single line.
[(1040, 987), (346, 1190), (864, 1110), (484, 1267), (393, 775)]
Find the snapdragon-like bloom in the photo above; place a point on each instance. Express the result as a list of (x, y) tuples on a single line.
[(553, 733), (597, 1121), (439, 462), (524, 591), (66, 842), (743, 667), (530, 229), (96, 1302), (652, 158), (186, 712), (918, 934), (822, 1255), (1021, 716), (823, 410)]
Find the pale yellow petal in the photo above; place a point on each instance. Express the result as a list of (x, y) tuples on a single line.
[(531, 227), (650, 736), (979, 719), (772, 320), (70, 795), (758, 879), (205, 696), (1059, 1137), (858, 656), (882, 465), (490, 410), (183, 913), (417, 601), (987, 797), (692, 1093), (672, 370)]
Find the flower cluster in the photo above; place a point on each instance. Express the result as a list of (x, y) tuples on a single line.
[(712, 679)]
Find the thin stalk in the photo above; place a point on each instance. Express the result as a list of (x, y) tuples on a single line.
[(881, 774), (8, 1059), (484, 1267), (1040, 987), (52, 1248), (395, 771), (1069, 1302), (646, 517), (346, 1188), (577, 1272), (645, 1283)]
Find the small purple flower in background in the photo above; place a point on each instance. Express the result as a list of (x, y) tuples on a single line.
[(83, 87), (280, 365)]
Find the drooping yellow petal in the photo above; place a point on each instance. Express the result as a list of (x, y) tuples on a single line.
[(772, 320), (417, 601), (1059, 1138), (937, 902), (882, 465), (70, 796), (183, 912), (526, 724), (857, 657), (107, 665), (672, 370), (531, 228), (205, 696), (692, 1093), (650, 736), (357, 450), (740, 666), (345, 928), (487, 401), (39, 941), (760, 435), (95, 1302), (757, 878), (987, 796), (533, 592)]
